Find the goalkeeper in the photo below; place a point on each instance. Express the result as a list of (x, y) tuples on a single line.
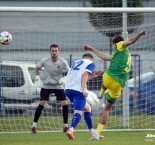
[(115, 77), (54, 66)]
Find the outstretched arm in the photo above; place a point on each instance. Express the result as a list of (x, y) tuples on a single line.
[(98, 53), (134, 38), (94, 75)]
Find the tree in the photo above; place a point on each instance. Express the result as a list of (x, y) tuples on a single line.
[(110, 24)]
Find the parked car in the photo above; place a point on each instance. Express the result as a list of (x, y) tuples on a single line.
[(17, 85), (142, 90), (18, 92)]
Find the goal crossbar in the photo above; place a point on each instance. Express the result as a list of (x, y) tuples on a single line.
[(78, 9)]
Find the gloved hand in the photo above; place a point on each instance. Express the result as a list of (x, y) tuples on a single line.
[(38, 83), (100, 95), (62, 81)]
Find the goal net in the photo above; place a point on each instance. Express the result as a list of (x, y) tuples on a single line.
[(35, 30)]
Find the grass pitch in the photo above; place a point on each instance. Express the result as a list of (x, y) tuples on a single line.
[(81, 138)]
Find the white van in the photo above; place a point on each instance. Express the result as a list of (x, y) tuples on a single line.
[(17, 84), (18, 91)]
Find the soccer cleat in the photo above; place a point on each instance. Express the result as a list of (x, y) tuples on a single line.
[(70, 134), (101, 136), (33, 130), (94, 136), (65, 129)]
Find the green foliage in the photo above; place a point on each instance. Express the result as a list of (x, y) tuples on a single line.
[(111, 23)]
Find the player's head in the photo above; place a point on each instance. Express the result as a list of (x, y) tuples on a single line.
[(54, 46), (88, 56), (54, 50), (117, 39)]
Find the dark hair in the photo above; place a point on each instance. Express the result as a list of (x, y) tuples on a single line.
[(54, 45), (117, 39), (87, 55)]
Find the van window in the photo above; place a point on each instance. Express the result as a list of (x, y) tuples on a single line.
[(12, 76)]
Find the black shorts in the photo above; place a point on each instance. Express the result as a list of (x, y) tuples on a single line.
[(59, 93)]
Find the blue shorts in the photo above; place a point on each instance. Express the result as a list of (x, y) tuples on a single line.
[(78, 99)]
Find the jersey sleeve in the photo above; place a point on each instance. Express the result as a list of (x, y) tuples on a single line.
[(41, 63), (90, 68), (66, 66)]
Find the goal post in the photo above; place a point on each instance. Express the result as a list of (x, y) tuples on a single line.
[(78, 9), (35, 28)]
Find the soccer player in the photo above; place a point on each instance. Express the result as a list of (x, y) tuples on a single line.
[(54, 66), (76, 90), (115, 77)]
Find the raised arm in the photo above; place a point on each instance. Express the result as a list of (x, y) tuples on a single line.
[(98, 53), (134, 38)]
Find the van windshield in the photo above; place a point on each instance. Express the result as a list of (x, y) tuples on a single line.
[(33, 75)]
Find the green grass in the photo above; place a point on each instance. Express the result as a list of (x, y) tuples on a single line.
[(23, 123), (81, 138)]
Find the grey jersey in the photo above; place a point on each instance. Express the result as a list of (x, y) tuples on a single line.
[(53, 72)]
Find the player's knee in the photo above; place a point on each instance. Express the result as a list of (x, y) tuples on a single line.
[(78, 111), (63, 103), (43, 103), (87, 108)]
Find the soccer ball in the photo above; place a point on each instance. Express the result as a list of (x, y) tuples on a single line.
[(5, 38)]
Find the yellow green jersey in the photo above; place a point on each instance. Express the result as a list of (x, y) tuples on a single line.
[(120, 64)]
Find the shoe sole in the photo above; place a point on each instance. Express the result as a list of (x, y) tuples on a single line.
[(65, 129), (101, 137), (33, 131), (69, 136)]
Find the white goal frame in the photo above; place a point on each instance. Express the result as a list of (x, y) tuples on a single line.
[(77, 9), (83, 10)]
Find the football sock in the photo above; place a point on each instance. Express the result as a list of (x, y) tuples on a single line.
[(88, 119), (92, 130), (34, 124), (75, 120), (38, 113), (71, 128), (102, 91), (65, 114), (65, 125), (99, 128)]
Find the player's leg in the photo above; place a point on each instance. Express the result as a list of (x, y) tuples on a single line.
[(89, 122), (79, 102), (60, 95), (114, 91), (44, 96), (103, 87), (88, 116), (104, 117)]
